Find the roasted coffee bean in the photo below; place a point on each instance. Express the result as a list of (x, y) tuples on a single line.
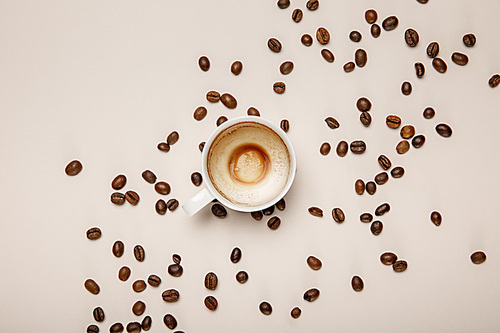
[(228, 100), (116, 328), (332, 123), (161, 207), (268, 211), (363, 104), (242, 277), (349, 67), (162, 188), (397, 172), (439, 65), (139, 286), (359, 186), (118, 198), (494, 81), (327, 55), (371, 16), (423, 1), (279, 87), (338, 215), (381, 178), (257, 215), (411, 37), (382, 209), (357, 283), (213, 96), (371, 187), (221, 120), (312, 4), (311, 295), (236, 67), (274, 45), (265, 308), (393, 121), (164, 147), (418, 141), (388, 258), (285, 125), (172, 138), (295, 313), (478, 257), (400, 266), (355, 36), (73, 168), (94, 233), (297, 15), (118, 248), (358, 147), (172, 204), (146, 323), (92, 329), (469, 40), (119, 182), (283, 4), (433, 50), (436, 218), (286, 67), (204, 63), (219, 211), (325, 148), (139, 253), (342, 148), (211, 281), (419, 70), (365, 118), (154, 280), (306, 39), (132, 197), (375, 30), (444, 130), (406, 88), (98, 314), (460, 58), (175, 270), (200, 113), (170, 295), (124, 273), (402, 147), (235, 256), (407, 132), (273, 223), (376, 228), (176, 258), (138, 308), (360, 57), (281, 205), (201, 146), (170, 321), (315, 211), (384, 162), (149, 176), (196, 178), (390, 23), (134, 327), (92, 287), (366, 217), (253, 112), (429, 113), (314, 263), (211, 303)]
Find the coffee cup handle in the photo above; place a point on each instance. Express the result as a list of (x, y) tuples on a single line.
[(196, 203)]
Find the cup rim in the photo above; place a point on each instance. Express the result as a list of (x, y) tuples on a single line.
[(255, 119)]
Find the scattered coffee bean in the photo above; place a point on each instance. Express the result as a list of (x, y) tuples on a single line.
[(236, 67), (358, 147), (172, 204), (73, 168), (312, 4), (98, 314), (170, 295), (134, 327), (390, 23), (360, 57), (228, 100), (365, 118), (176, 258), (384, 162), (92, 329), (376, 228), (116, 328), (268, 211), (265, 308), (118, 248), (279, 87), (388, 258), (478, 257), (196, 178), (274, 45), (327, 55), (314, 263), (349, 67), (297, 15), (332, 123), (433, 50), (338, 215), (162, 188), (132, 197), (393, 121), (285, 125), (211, 303), (418, 141), (371, 187), (403, 147), (175, 270), (460, 58), (221, 120), (411, 37), (429, 113), (375, 30), (235, 256), (242, 277), (494, 81), (325, 148), (273, 223), (253, 112), (315, 211), (138, 308), (219, 211), (204, 63), (382, 209), (119, 182), (149, 176), (201, 146), (213, 96), (423, 1), (444, 130), (257, 215), (281, 205), (139, 253), (306, 39), (286, 67), (283, 4), (161, 207), (146, 323), (118, 198), (400, 266), (357, 283), (170, 321), (172, 138), (124, 273), (381, 178), (407, 132), (295, 313), (94, 233), (397, 172), (342, 148), (436, 218), (164, 147), (439, 65), (359, 186), (419, 70), (355, 36), (211, 281), (200, 113), (371, 16), (469, 40), (311, 295), (139, 286), (363, 104), (92, 287), (366, 217), (406, 88), (154, 280)]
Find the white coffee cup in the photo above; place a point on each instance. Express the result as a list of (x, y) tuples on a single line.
[(280, 177)]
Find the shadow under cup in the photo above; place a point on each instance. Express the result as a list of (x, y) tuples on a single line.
[(249, 164)]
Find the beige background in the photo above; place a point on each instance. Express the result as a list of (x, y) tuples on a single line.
[(105, 81)]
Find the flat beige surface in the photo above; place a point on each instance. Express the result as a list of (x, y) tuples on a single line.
[(105, 81)]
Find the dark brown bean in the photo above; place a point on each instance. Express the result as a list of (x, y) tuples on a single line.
[(133, 327), (176, 258), (494, 81), (429, 113), (221, 120), (444, 130), (358, 147), (371, 188), (393, 121), (138, 308), (402, 147), (170, 295), (279, 87), (365, 118), (338, 215), (132, 197), (118, 248), (201, 146), (357, 283), (314, 263), (439, 65), (92, 329), (460, 58), (406, 88), (94, 233), (154, 280), (274, 223), (390, 23), (116, 328), (253, 112), (325, 148), (355, 36), (312, 4), (196, 178), (283, 4), (175, 270), (268, 211), (469, 40), (139, 253), (98, 314), (211, 281), (274, 45), (478, 257), (349, 67), (242, 277), (384, 162), (219, 211), (235, 255), (146, 323), (363, 104), (164, 147), (411, 37), (228, 101), (366, 217), (161, 207), (407, 132), (376, 227), (73, 168), (423, 1), (211, 303), (371, 16), (342, 148), (119, 182), (257, 215), (419, 70), (311, 295), (170, 321), (124, 273), (418, 141), (285, 125), (213, 96), (397, 172), (149, 176), (327, 55), (388, 258), (172, 204), (315, 211), (295, 313), (433, 50), (172, 138), (286, 67), (375, 30), (359, 186), (92, 287), (400, 266), (381, 178), (382, 209), (332, 123), (139, 286), (265, 308), (204, 63), (281, 205), (236, 67), (360, 57), (306, 40), (436, 218), (297, 15), (118, 198), (200, 113)]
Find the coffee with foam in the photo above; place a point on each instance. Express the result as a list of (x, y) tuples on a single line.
[(248, 164)]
